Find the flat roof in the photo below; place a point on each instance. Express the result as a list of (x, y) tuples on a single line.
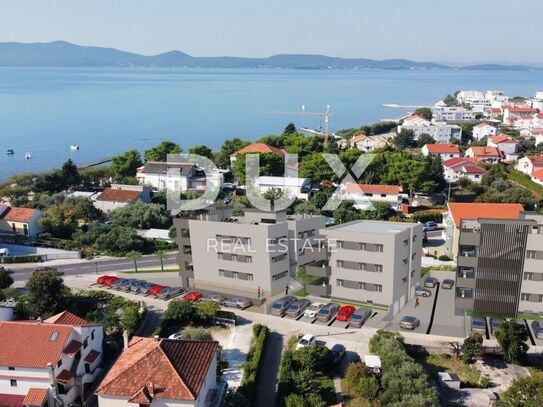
[(377, 227)]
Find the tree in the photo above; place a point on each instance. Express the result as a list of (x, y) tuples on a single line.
[(46, 294), (222, 160), (306, 208), (202, 150), (141, 215), (272, 195), (316, 358), (382, 211), (161, 255), (179, 310), (290, 129), (307, 400), (270, 164), (345, 212), (511, 338), (60, 220), (315, 167), (524, 392), (160, 152), (424, 139), (473, 347), (5, 278), (125, 165), (404, 139), (69, 175), (130, 318), (119, 240), (450, 100), (206, 310), (134, 256), (424, 112), (196, 334), (321, 197), (368, 388)]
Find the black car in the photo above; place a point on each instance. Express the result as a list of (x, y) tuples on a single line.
[(338, 352)]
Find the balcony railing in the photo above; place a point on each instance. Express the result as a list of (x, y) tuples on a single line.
[(318, 268), (466, 272), (468, 251), (320, 288)]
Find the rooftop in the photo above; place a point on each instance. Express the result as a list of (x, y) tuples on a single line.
[(260, 148), (118, 195), (373, 227), (14, 214), (461, 211), (162, 167), (443, 148)]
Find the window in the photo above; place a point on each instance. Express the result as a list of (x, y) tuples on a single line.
[(92, 335), (235, 274), (276, 259), (405, 261), (279, 276), (339, 283), (362, 266), (379, 268), (406, 242), (363, 246), (340, 244), (85, 343), (59, 363), (13, 383), (528, 276), (339, 263), (531, 254), (379, 248), (11, 368)]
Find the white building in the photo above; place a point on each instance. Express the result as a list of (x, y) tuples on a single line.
[(537, 101), (171, 176), (301, 188), (119, 195), (364, 194), (54, 359), (484, 154), (529, 164), (537, 176), (469, 96), (456, 168), (163, 372), (20, 221), (440, 131), (368, 143), (508, 146), (514, 113), (452, 114), (483, 130), (445, 151)]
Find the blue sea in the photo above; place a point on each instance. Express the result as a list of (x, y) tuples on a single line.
[(109, 110)]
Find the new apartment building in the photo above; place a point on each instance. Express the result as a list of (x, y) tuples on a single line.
[(239, 255), (500, 266), (377, 263)]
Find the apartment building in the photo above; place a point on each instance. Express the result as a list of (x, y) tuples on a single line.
[(240, 255), (452, 114), (440, 131), (500, 266), (376, 263), (175, 176)]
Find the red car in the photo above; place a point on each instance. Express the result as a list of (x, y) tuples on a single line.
[(156, 289), (345, 312), (102, 279), (110, 280), (192, 296)]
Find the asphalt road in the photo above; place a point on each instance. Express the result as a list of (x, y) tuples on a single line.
[(99, 266)]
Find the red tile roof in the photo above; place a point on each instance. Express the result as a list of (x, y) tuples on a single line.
[(521, 109), (538, 174), (92, 356), (66, 318), (501, 138), (473, 169), (73, 347), (461, 211), (11, 400), (443, 148), (535, 159), (35, 397), (374, 189), (485, 151), (65, 376), (118, 195), (177, 369), (260, 148), (13, 214)]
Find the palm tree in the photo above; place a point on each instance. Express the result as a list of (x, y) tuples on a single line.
[(134, 256), (161, 255)]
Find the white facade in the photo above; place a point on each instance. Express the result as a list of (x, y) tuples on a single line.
[(440, 131), (172, 176), (369, 143), (483, 130), (507, 147), (529, 164), (297, 187), (452, 113), (453, 152)]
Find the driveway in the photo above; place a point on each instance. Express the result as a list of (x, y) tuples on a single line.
[(446, 322)]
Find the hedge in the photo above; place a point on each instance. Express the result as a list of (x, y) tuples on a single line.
[(34, 258), (252, 365), (428, 216)]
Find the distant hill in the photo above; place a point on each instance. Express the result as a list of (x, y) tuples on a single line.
[(65, 54)]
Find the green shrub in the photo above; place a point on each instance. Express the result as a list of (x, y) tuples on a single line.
[(33, 258), (444, 257), (252, 364), (427, 216)]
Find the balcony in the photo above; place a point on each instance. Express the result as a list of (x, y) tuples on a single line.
[(470, 237), (320, 288), (467, 251), (466, 272), (318, 268)]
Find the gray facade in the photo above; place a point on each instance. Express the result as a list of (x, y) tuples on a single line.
[(377, 263), (239, 255), (500, 266)]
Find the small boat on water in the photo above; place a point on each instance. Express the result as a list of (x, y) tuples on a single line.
[(10, 151), (28, 156), (74, 147)]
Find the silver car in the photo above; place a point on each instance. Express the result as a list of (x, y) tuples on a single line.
[(359, 317), (238, 302), (169, 292), (280, 306), (219, 299), (117, 283), (328, 312), (297, 307)]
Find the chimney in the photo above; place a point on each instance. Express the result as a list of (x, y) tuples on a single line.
[(125, 340), (156, 337), (151, 388), (39, 320), (52, 379)]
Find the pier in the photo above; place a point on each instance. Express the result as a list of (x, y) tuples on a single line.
[(98, 162)]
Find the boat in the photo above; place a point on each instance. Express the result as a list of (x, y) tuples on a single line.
[(28, 156), (10, 151), (74, 147)]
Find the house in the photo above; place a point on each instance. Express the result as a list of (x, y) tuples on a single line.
[(257, 148), (445, 151), (20, 221), (529, 164), (508, 146), (527, 122), (301, 188), (511, 113), (368, 143), (537, 176), (483, 130), (484, 154), (391, 194), (456, 168), (494, 113), (163, 372), (537, 134), (40, 361), (441, 132), (119, 195), (469, 96), (171, 176), (452, 114), (462, 211)]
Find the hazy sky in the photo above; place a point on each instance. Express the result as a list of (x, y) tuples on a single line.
[(436, 30)]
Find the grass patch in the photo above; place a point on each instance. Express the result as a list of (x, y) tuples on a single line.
[(327, 390), (301, 293), (151, 271), (525, 181), (359, 304), (439, 362)]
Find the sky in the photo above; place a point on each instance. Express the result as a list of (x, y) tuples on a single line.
[(450, 31)]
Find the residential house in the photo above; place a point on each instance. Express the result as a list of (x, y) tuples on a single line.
[(257, 148), (20, 221), (529, 164), (452, 114), (118, 196), (163, 372), (508, 146), (511, 113), (484, 154), (459, 211), (301, 188), (494, 113), (368, 143), (528, 122), (445, 151), (537, 101), (171, 176), (441, 132), (50, 362), (469, 96), (483, 130), (537, 134), (456, 168), (537, 176), (365, 194)]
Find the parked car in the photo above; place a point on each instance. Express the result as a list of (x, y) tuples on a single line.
[(280, 306), (168, 292), (409, 322), (306, 340), (430, 282), (447, 284), (478, 325), (238, 302), (145, 287), (117, 284), (338, 352), (345, 312), (49, 269), (495, 324), (156, 289), (429, 226), (423, 292), (219, 299), (297, 307), (193, 296), (359, 317), (176, 335), (127, 284), (313, 309), (328, 312), (102, 279), (537, 327), (519, 322), (110, 280)]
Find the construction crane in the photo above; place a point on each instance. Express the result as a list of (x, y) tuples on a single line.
[(324, 115)]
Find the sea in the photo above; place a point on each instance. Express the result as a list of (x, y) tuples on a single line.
[(106, 111)]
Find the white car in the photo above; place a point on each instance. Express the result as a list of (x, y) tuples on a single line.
[(313, 309), (306, 340), (175, 336)]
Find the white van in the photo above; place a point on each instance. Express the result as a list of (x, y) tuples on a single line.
[(4, 252)]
